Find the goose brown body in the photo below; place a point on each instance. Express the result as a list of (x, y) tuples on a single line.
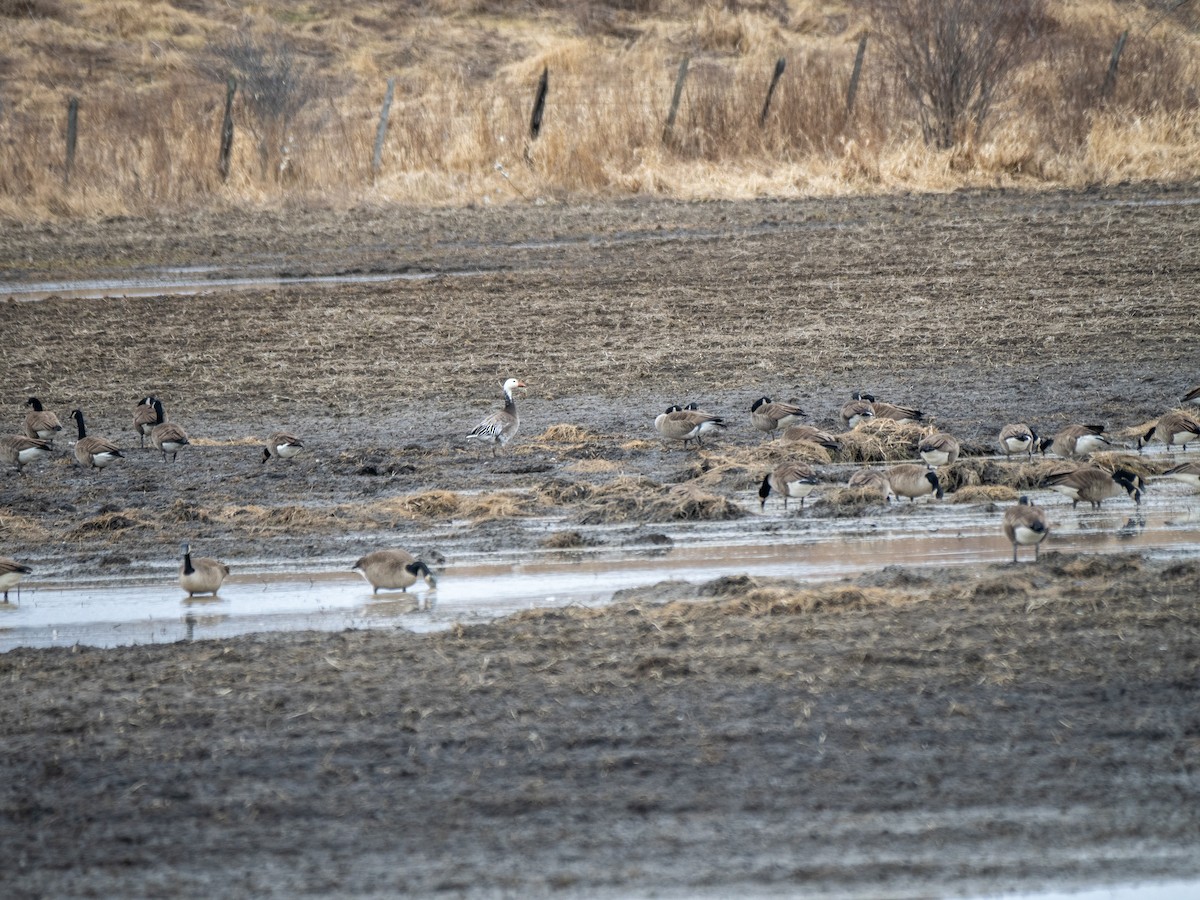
[(939, 449), (769, 415), (145, 417), (93, 452), (813, 436), (1095, 485), (167, 437), (282, 445), (685, 425), (39, 422), (1025, 524), (18, 450), (913, 480), (11, 572), (393, 570), (872, 480), (1076, 440), (1173, 428), (1188, 473), (1018, 438), (793, 479), (201, 574)]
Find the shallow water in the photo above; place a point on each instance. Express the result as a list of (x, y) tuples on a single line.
[(480, 587)]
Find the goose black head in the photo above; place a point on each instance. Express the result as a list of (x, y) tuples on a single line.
[(1133, 484), (764, 490), (863, 395), (932, 478), (418, 569), (759, 402), (35, 403)]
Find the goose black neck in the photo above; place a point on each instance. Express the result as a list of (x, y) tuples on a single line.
[(158, 411), (510, 405), (187, 562), (35, 403), (78, 416)]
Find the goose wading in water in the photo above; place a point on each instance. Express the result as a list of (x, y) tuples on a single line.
[(501, 426), (201, 574), (1025, 524), (394, 570)]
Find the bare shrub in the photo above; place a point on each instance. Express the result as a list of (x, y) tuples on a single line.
[(955, 56)]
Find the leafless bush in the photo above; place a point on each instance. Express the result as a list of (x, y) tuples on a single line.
[(955, 56)]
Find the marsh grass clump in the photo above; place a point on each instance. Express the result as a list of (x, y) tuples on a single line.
[(881, 440), (448, 505), (634, 499), (110, 523)]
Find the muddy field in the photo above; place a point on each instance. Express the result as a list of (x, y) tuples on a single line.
[(924, 733)]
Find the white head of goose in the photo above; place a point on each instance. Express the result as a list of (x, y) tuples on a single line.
[(1095, 485), (501, 426), (1018, 438), (145, 417), (1075, 440), (166, 436), (11, 572), (686, 424), (768, 415), (39, 422), (93, 452), (913, 480), (18, 450), (1025, 524), (201, 574), (282, 445), (393, 570), (1173, 428), (788, 480)]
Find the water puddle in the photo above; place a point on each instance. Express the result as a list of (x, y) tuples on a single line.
[(1169, 890)]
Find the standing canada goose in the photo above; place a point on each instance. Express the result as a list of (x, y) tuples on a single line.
[(1172, 428), (1193, 396), (145, 417), (1095, 485), (41, 423), (939, 449), (872, 480), (166, 436), (93, 452), (1188, 473), (790, 480), (11, 572), (1075, 440), (856, 410), (500, 427), (813, 436), (684, 424), (1025, 524), (282, 445), (913, 480), (889, 410), (393, 569), (769, 415), (19, 450), (1018, 438), (201, 574)]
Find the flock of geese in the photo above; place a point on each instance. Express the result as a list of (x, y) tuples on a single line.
[(1024, 524)]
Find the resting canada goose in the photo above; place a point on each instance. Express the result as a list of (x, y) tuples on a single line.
[(890, 410), (1095, 485), (1192, 396), (873, 480), (913, 480), (201, 574), (19, 450), (41, 423), (392, 569), (813, 436), (145, 417), (1172, 428), (1025, 524), (93, 452), (282, 445), (855, 411), (1075, 440), (939, 449), (1188, 472), (790, 480), (500, 427), (769, 415), (166, 436), (11, 572), (680, 424), (1018, 438)]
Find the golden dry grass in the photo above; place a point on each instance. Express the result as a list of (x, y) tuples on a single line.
[(881, 440)]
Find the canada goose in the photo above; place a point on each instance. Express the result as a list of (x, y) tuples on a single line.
[(500, 427), (1172, 428), (913, 480), (93, 452), (790, 480), (769, 415), (1018, 438), (166, 436), (680, 424), (392, 569), (813, 436), (939, 449), (11, 572), (283, 445), (1192, 396), (1025, 524), (1075, 440), (201, 574), (145, 417), (874, 480), (1188, 472), (855, 411), (1095, 485), (890, 410), (41, 423), (19, 450)]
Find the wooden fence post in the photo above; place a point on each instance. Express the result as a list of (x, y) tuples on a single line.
[(780, 65), (381, 131), (72, 134), (539, 104), (227, 129), (852, 90), (1110, 78), (679, 79)]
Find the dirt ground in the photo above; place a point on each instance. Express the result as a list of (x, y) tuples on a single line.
[(906, 734)]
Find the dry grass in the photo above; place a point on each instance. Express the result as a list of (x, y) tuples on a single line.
[(634, 499), (448, 505), (881, 440)]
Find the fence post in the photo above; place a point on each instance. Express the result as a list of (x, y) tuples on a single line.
[(1110, 78), (227, 129), (780, 65), (381, 131), (72, 133), (852, 90), (679, 79), (539, 104)]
